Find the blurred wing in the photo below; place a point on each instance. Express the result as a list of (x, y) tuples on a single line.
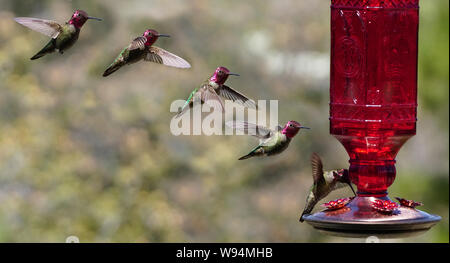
[(317, 167), (231, 94), (161, 56), (251, 129), (210, 97), (138, 43), (46, 27), (268, 142)]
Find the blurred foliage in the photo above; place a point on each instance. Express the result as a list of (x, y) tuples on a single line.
[(93, 157)]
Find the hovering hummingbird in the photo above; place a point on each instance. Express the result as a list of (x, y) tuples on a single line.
[(271, 141), (324, 183), (213, 90), (63, 36), (142, 48)]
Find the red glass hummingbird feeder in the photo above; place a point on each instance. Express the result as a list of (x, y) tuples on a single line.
[(373, 102)]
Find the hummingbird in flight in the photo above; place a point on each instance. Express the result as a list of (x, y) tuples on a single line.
[(213, 91), (141, 48), (272, 142), (63, 36), (324, 183)]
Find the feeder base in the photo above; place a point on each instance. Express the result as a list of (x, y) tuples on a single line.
[(359, 219)]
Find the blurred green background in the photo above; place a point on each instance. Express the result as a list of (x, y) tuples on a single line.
[(93, 157)]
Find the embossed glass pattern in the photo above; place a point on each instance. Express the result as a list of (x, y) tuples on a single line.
[(373, 85)]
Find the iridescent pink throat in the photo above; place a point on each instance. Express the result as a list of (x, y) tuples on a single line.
[(290, 133), (150, 41), (77, 23), (218, 79)]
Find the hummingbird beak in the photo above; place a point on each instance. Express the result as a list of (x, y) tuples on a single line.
[(304, 127), (163, 35), (95, 18), (233, 74)]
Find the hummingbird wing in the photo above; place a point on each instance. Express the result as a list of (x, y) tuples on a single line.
[(210, 97), (161, 56), (46, 27), (231, 94), (138, 43), (258, 131), (205, 94), (317, 168), (271, 141)]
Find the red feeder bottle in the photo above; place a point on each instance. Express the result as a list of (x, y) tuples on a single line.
[(373, 102)]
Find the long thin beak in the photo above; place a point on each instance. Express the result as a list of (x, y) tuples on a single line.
[(163, 35), (233, 74), (304, 127), (95, 18)]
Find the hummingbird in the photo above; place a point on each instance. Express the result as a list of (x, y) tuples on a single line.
[(142, 48), (271, 141), (213, 90), (324, 183), (63, 36)]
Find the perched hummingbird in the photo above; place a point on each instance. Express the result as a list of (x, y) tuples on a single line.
[(271, 141), (213, 90), (63, 36), (324, 183), (142, 48)]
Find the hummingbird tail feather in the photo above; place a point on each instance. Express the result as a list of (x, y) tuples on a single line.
[(182, 111), (49, 48), (301, 218), (306, 212), (258, 151), (38, 55), (111, 69), (246, 156), (179, 114), (310, 203)]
